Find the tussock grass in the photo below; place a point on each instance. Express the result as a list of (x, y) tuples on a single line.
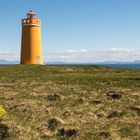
[(70, 102)]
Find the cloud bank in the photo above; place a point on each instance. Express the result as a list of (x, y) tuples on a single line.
[(83, 55), (9, 56)]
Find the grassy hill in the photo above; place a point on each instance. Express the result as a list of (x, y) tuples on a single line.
[(70, 102)]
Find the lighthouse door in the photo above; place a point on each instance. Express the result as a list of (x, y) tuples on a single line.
[(38, 60)]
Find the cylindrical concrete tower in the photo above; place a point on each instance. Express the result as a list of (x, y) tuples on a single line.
[(31, 45)]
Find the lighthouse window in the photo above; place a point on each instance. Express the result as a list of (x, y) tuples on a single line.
[(28, 21)]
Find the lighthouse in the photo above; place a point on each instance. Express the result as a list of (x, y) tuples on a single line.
[(31, 44)]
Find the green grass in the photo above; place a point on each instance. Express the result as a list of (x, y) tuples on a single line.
[(72, 97)]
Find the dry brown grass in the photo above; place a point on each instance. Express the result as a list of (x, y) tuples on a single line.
[(70, 102)]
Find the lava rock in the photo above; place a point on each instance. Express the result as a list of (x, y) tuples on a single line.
[(136, 109), (67, 132), (104, 134), (53, 97), (96, 102), (53, 123), (3, 131), (114, 114), (114, 95)]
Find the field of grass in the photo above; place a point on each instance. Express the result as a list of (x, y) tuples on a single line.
[(69, 103)]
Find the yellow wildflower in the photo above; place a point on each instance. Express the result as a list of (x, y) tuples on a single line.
[(3, 112)]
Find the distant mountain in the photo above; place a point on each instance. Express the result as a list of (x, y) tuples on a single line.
[(94, 63), (137, 61), (118, 62), (6, 62)]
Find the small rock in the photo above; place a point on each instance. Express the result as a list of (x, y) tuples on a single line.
[(53, 123), (96, 101), (104, 134), (114, 95), (114, 114), (3, 131), (67, 132), (136, 109), (53, 97)]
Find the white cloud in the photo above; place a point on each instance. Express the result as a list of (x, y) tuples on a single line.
[(9, 56), (110, 54), (121, 49), (84, 55), (76, 51)]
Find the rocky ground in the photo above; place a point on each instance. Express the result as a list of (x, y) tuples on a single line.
[(69, 102)]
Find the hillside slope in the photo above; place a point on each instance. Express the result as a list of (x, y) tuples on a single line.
[(70, 102)]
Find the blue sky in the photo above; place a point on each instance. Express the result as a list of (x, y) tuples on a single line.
[(75, 30)]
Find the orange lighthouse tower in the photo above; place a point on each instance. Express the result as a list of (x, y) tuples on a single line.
[(31, 45)]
